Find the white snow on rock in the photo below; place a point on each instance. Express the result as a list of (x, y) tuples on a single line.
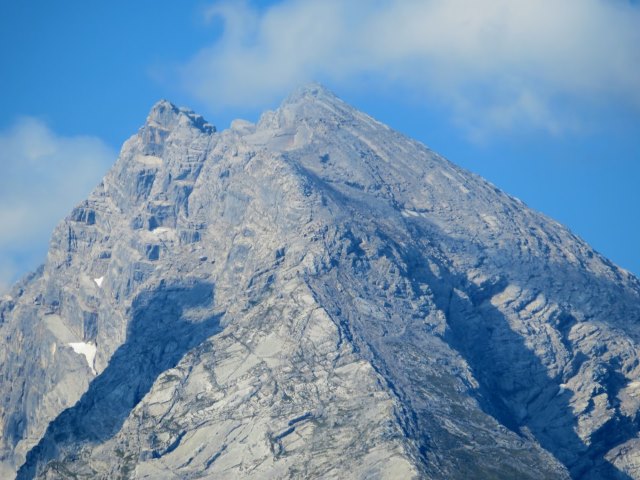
[(409, 213), (86, 349), (99, 281)]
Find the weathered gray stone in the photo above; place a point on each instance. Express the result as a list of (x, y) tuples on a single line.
[(314, 296)]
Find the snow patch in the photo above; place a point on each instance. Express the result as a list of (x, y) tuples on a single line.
[(410, 213), (413, 213), (161, 230), (99, 281), (165, 234), (86, 349)]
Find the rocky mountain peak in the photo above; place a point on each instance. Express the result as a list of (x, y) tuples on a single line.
[(311, 92), (314, 296), (308, 107), (166, 119), (165, 115)]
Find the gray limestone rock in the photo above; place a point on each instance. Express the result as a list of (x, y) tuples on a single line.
[(314, 296)]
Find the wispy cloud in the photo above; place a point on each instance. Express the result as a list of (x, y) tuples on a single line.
[(43, 176), (494, 62)]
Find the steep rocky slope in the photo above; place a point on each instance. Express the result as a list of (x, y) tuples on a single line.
[(314, 296)]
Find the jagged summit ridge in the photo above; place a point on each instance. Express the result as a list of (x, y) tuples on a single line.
[(314, 296), (166, 115), (312, 92)]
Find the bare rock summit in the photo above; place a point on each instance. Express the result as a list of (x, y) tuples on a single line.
[(314, 296)]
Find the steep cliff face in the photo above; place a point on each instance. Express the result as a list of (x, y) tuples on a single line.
[(315, 295)]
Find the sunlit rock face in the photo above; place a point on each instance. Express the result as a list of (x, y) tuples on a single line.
[(314, 296)]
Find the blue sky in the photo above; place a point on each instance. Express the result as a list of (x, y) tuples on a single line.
[(538, 96)]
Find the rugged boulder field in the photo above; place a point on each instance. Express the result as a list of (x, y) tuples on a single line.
[(314, 296)]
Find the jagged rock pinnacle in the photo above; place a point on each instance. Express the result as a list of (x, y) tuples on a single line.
[(165, 114)]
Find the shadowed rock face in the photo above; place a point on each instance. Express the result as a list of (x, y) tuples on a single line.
[(378, 313), (159, 334)]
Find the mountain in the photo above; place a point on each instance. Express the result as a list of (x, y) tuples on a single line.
[(314, 296)]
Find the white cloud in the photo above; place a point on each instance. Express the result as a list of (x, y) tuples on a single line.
[(496, 61), (43, 176)]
